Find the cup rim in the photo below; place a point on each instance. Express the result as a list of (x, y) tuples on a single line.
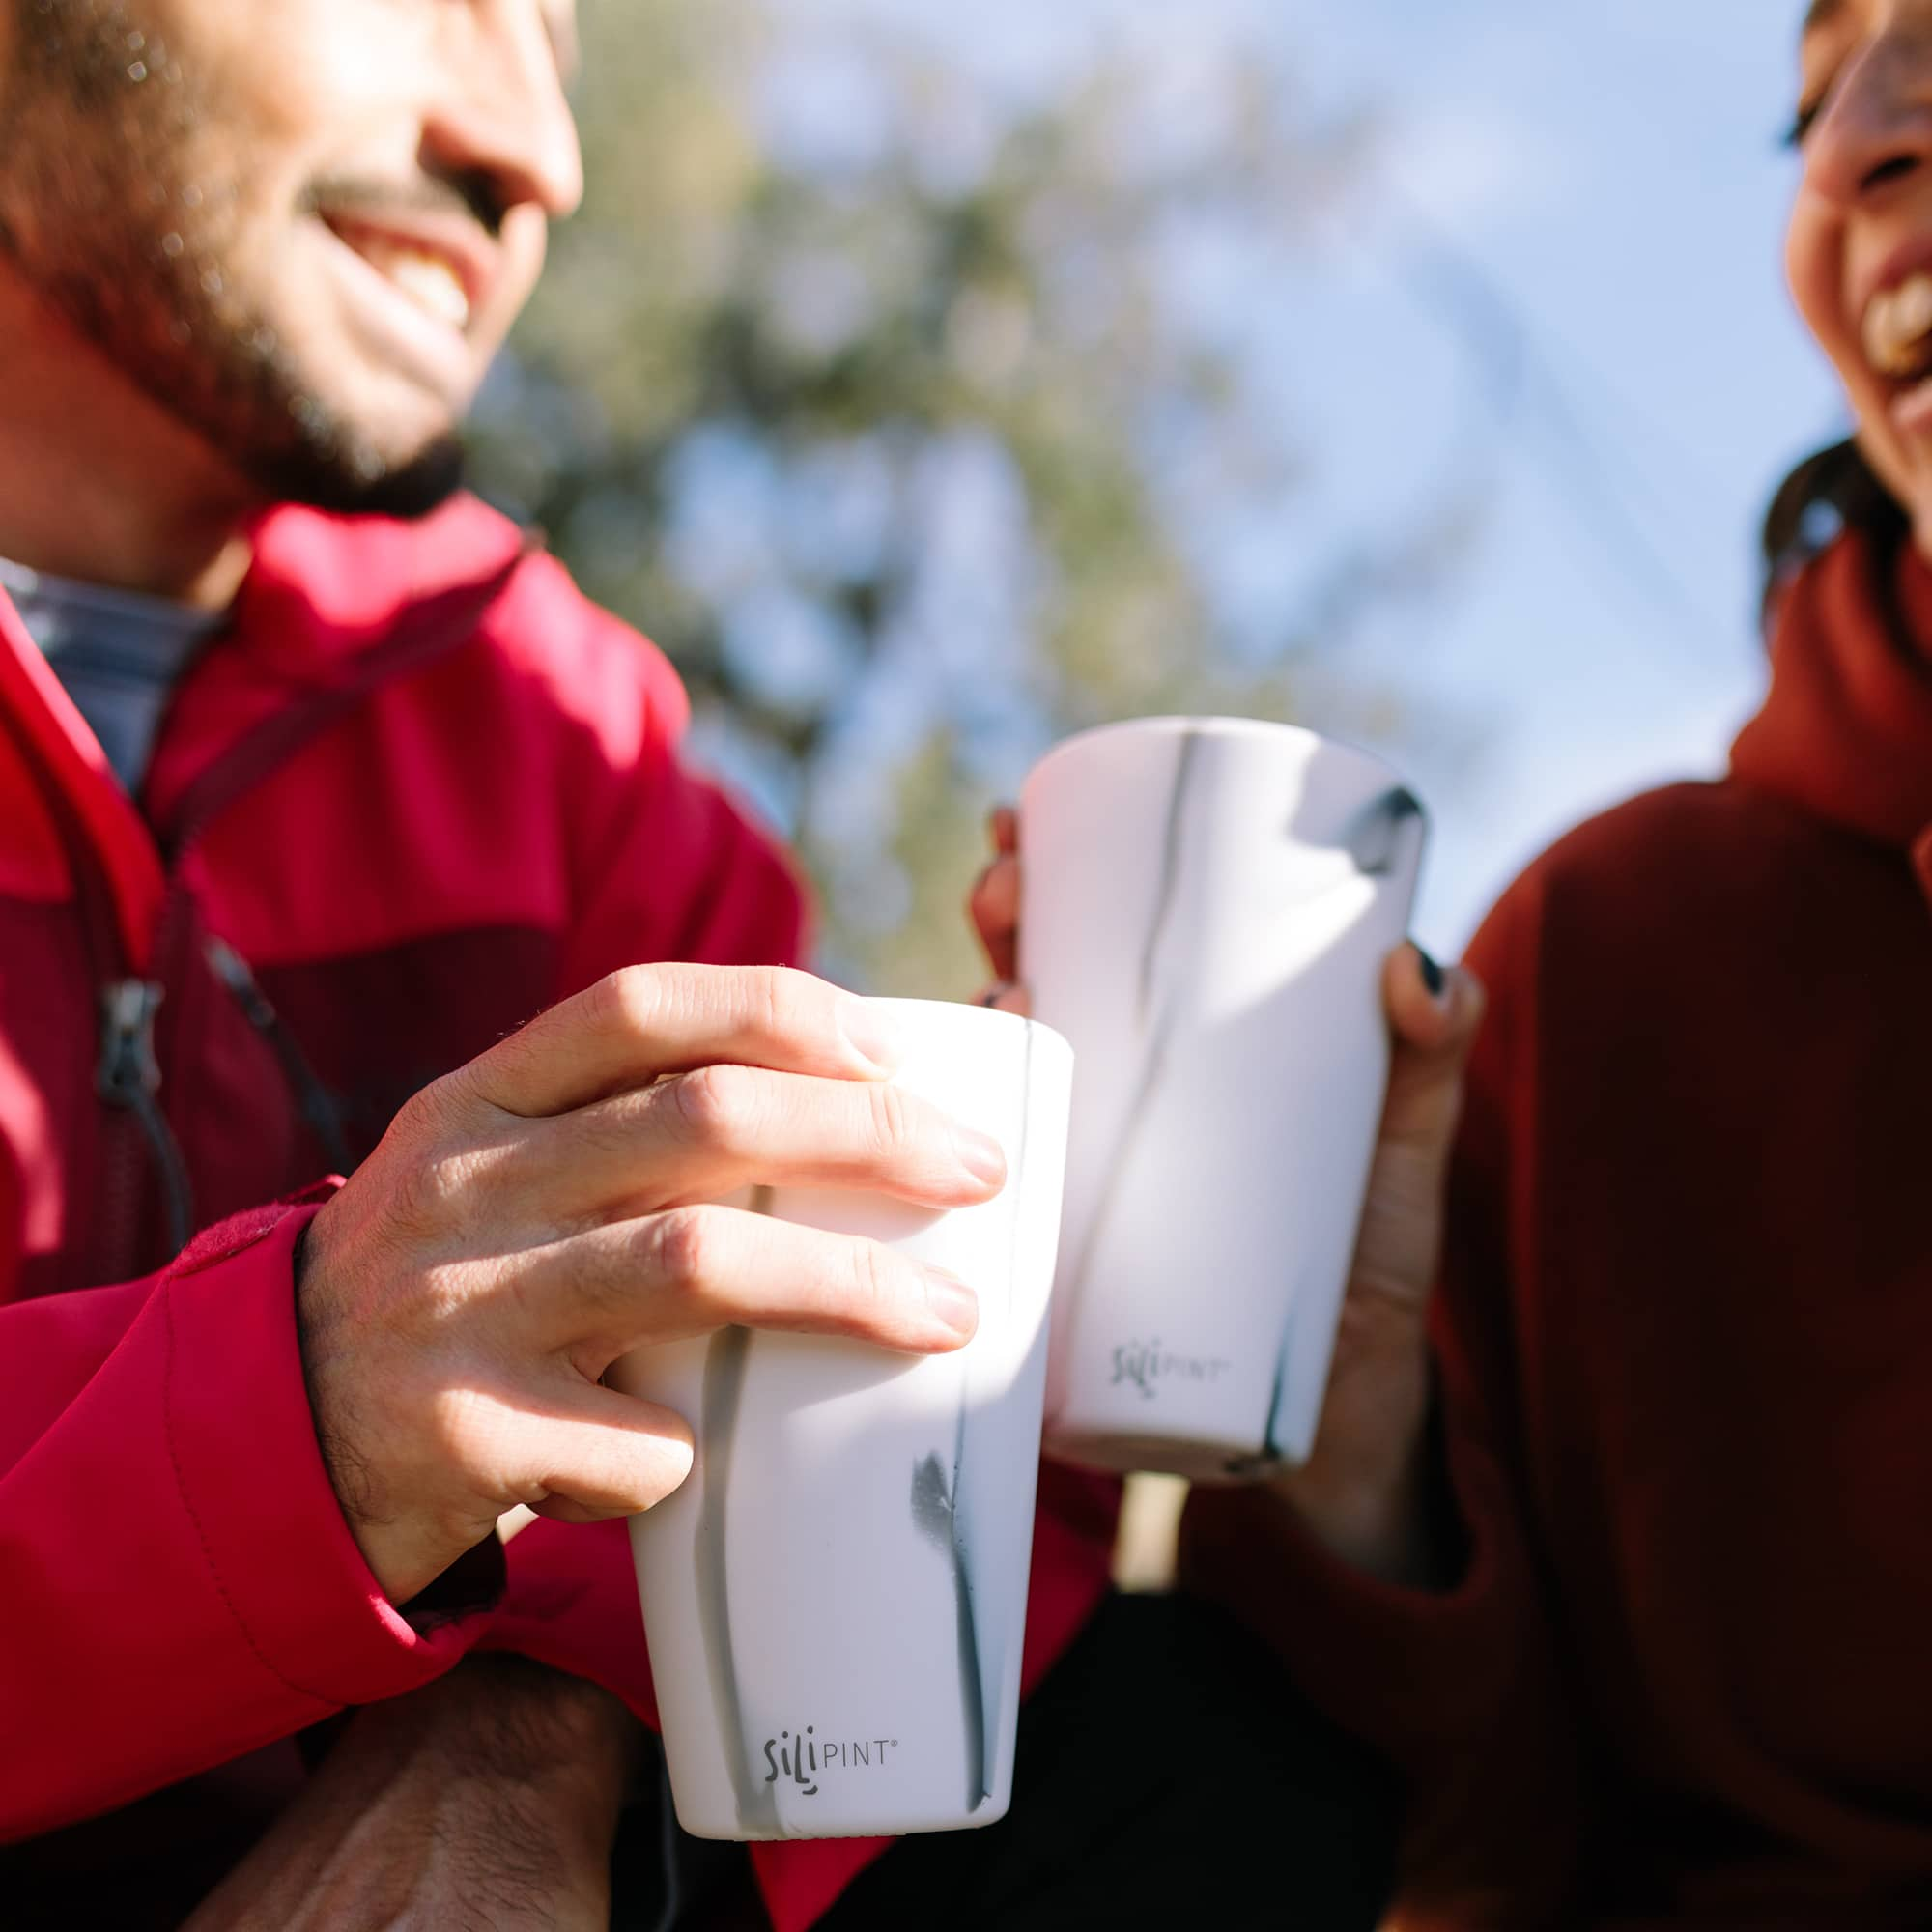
[(1038, 1028), (1173, 726)]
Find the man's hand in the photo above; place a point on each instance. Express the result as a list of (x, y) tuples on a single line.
[(543, 1210), (1361, 1491), (487, 1800)]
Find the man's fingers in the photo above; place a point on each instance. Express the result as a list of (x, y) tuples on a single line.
[(689, 1271), (646, 1021), (1435, 1014), (995, 910), (597, 1454), (705, 1134)]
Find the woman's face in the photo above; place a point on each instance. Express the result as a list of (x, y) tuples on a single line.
[(1858, 254)]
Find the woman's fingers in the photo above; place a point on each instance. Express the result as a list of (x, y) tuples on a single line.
[(1007, 998), (1435, 1014), (994, 907)]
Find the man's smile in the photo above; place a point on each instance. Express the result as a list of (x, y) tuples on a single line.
[(417, 282)]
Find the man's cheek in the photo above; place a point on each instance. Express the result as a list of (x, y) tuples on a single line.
[(524, 246)]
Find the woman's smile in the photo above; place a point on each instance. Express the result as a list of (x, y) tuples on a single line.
[(1858, 250)]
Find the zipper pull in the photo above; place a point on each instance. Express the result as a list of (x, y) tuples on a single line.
[(232, 970), (129, 1075)]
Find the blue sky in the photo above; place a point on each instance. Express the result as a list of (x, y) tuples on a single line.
[(1617, 170), (1613, 175)]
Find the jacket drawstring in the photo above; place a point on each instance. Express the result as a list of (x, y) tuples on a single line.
[(313, 1100)]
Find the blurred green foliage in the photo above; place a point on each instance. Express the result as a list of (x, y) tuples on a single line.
[(882, 404)]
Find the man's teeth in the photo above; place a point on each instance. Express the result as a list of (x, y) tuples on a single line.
[(1897, 323), (428, 280)]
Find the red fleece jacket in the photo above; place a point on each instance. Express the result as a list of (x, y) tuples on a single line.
[(1685, 1336), (423, 790)]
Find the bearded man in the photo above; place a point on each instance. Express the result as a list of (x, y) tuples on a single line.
[(317, 782)]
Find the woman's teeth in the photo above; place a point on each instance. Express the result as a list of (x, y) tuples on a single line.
[(428, 280), (1897, 329)]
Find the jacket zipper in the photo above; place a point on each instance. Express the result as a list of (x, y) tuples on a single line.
[(128, 1076), (436, 632), (128, 1072), (134, 1134)]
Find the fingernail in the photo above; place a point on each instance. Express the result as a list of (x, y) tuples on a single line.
[(952, 1301), (870, 1034), (980, 1154), (1432, 976)]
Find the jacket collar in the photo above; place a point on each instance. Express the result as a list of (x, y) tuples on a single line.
[(322, 593), (1846, 729), (321, 588)]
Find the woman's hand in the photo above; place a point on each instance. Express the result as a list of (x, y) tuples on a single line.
[(994, 908), (1361, 1491)]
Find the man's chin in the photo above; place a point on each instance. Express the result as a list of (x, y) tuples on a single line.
[(361, 484)]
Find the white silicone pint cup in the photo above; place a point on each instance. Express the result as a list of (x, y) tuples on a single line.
[(1207, 907), (835, 1600)]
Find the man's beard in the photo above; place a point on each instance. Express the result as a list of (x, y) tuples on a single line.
[(101, 214)]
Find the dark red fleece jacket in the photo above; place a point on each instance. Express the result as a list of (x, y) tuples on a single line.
[(423, 790), (1686, 1331)]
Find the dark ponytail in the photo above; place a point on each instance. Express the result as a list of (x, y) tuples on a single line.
[(1833, 490)]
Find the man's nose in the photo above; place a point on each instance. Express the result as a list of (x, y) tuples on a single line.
[(1876, 128), (501, 112)]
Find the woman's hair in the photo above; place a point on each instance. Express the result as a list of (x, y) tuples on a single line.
[(1833, 490)]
